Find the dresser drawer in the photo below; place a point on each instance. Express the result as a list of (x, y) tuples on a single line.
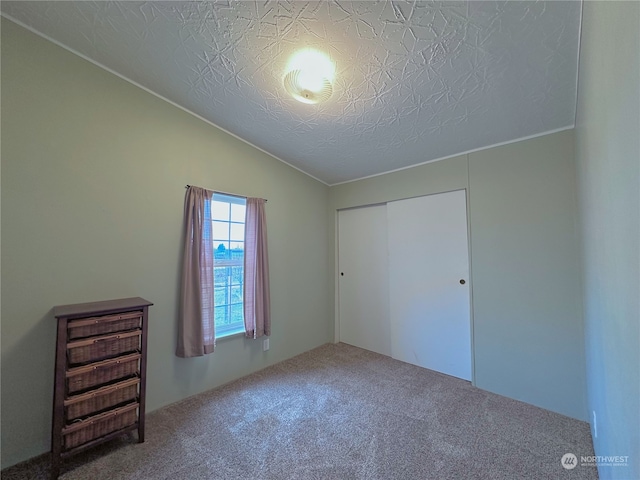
[(105, 346), (89, 327), (102, 398), (84, 431), (87, 376)]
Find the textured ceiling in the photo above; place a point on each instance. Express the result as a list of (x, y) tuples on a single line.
[(416, 81)]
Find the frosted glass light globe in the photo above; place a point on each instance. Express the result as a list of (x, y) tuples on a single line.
[(309, 76)]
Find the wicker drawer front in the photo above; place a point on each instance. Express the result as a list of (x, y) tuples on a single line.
[(83, 351), (88, 327), (93, 427), (100, 399), (82, 378)]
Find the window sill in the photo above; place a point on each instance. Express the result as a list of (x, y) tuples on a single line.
[(228, 335)]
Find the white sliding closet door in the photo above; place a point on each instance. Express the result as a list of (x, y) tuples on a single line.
[(428, 282), (363, 278)]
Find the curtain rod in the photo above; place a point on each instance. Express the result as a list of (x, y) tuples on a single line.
[(226, 193)]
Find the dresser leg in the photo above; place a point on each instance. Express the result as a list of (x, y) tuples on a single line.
[(55, 466)]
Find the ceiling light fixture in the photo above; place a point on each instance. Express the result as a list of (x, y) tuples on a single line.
[(309, 76)]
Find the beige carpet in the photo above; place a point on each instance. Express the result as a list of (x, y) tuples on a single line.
[(339, 412)]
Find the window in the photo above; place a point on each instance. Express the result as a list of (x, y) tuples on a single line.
[(228, 215)]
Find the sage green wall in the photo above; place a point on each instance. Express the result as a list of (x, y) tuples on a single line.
[(528, 338), (526, 274), (608, 161), (93, 176)]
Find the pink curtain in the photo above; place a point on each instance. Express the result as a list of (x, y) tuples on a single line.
[(257, 303), (196, 327)]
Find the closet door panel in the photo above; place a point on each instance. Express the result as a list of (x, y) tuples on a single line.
[(363, 278), (429, 282)]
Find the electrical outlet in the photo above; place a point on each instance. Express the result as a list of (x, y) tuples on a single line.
[(265, 345), (595, 424)]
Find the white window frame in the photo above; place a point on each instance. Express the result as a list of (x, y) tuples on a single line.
[(237, 327)]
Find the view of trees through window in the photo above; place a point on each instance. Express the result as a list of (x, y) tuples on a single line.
[(228, 215)]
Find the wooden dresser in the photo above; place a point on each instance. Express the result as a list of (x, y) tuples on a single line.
[(100, 374)]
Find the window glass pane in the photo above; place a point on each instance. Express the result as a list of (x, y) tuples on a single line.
[(221, 230), (236, 294), (237, 275), (236, 252), (220, 210), (221, 250), (237, 315), (237, 232), (220, 277), (237, 246), (220, 296), (238, 212), (221, 315)]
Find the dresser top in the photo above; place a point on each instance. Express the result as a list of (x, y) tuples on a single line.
[(99, 308)]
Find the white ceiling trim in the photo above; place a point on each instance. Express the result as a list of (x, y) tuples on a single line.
[(554, 41), (508, 142), (97, 64), (575, 117), (417, 80)]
